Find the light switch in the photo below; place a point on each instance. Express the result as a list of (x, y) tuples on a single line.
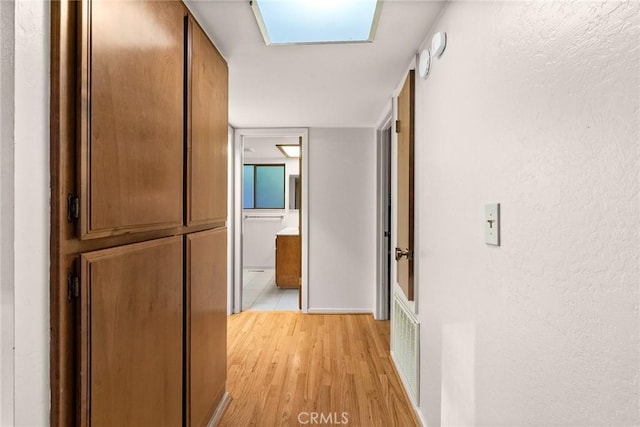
[(492, 224)]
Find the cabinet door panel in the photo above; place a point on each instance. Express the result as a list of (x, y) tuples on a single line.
[(207, 137), (207, 296), (288, 261), (131, 335), (132, 116)]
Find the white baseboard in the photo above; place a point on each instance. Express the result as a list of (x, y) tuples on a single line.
[(339, 311), (219, 412), (416, 409), (418, 412)]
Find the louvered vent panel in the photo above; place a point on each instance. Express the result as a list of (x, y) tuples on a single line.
[(405, 347)]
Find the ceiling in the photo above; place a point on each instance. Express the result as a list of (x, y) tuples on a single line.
[(339, 85)]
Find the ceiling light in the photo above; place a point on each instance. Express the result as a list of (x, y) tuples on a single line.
[(289, 150), (438, 43), (317, 21), (424, 63)]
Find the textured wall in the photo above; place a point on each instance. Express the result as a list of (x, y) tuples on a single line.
[(7, 13), (342, 217), (7, 17), (534, 105), (31, 213)]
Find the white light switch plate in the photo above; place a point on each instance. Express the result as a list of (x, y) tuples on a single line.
[(492, 224)]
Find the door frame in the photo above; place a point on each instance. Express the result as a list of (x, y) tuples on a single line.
[(236, 225), (396, 290), (383, 288)]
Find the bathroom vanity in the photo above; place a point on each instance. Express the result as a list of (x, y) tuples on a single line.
[(288, 258)]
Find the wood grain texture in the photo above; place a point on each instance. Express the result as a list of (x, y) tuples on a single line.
[(282, 364), (288, 261), (131, 126), (71, 125), (405, 172), (207, 130), (207, 323), (131, 330), (62, 164)]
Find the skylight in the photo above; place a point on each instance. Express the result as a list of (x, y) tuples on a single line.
[(317, 21)]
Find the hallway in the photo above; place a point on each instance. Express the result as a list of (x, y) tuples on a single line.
[(122, 130), (285, 368)]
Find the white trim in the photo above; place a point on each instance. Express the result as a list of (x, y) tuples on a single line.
[(417, 149), (339, 311), (238, 153), (304, 173), (414, 406), (387, 115), (236, 224), (220, 410), (230, 219), (382, 294), (257, 13)]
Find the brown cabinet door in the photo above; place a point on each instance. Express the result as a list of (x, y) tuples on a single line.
[(207, 131), (131, 335), (207, 322), (288, 261), (131, 124)]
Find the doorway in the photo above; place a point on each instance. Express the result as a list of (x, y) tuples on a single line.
[(383, 238), (268, 221)]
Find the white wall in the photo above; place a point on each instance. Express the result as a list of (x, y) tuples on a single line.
[(534, 105), (259, 233), (342, 218), (24, 221), (7, 17)]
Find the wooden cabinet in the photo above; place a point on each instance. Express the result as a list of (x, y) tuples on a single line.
[(207, 322), (131, 127), (131, 335), (207, 130), (138, 224), (288, 261)]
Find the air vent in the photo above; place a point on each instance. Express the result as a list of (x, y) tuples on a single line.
[(405, 347)]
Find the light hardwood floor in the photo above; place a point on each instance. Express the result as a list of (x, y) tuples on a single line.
[(285, 366)]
